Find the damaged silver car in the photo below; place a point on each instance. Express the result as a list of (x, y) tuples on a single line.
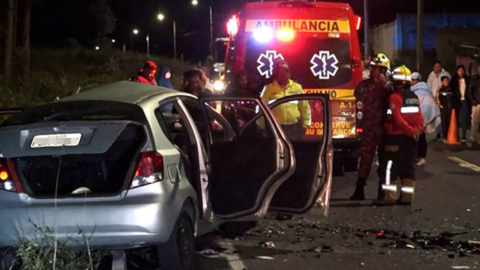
[(134, 165)]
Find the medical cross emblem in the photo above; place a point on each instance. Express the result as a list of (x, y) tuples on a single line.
[(324, 65), (265, 62)]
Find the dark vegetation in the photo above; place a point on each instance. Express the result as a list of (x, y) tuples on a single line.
[(59, 73)]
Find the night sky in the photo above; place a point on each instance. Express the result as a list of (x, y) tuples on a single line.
[(56, 20)]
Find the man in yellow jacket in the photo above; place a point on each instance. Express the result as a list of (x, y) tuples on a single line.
[(293, 116)]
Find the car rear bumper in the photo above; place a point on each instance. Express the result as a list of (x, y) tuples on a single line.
[(140, 217)]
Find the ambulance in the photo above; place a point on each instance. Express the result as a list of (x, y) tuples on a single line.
[(319, 41)]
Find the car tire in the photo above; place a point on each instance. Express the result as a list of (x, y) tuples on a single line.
[(179, 252)]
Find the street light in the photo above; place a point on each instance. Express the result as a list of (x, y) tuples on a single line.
[(135, 31), (194, 2), (160, 17), (113, 40), (97, 48)]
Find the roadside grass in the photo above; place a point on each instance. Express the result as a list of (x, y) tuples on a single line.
[(59, 73), (44, 251), (39, 249)]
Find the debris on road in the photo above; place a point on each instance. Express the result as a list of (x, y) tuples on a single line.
[(265, 258), (268, 244), (322, 248), (473, 243), (209, 253)]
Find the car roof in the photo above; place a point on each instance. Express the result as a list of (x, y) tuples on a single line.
[(123, 91)]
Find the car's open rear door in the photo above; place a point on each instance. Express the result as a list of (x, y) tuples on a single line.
[(248, 166), (306, 120)]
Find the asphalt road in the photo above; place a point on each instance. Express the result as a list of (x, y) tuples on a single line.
[(447, 200)]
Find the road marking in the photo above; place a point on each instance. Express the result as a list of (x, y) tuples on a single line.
[(465, 164), (233, 260)]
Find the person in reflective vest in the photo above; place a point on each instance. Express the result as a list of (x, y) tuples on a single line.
[(403, 128), (293, 116)]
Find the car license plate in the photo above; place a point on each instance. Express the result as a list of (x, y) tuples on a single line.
[(56, 140)]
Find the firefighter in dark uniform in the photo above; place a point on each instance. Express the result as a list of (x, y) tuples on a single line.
[(373, 95), (403, 129)]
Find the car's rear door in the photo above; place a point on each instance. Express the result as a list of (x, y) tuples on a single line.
[(250, 157), (311, 139)]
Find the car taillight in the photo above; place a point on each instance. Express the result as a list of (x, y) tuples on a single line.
[(149, 169), (6, 178)]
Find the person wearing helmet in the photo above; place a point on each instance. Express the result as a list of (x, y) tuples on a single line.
[(372, 93), (403, 128)]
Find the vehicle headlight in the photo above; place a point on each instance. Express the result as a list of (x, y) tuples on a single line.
[(359, 105), (218, 85), (359, 115)]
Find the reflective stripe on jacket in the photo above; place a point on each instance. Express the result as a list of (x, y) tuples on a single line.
[(404, 114)]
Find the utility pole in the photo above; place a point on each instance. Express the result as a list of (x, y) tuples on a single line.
[(419, 33), (174, 40), (148, 45), (7, 61), (211, 30), (366, 29)]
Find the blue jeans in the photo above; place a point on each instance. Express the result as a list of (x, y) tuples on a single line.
[(463, 118)]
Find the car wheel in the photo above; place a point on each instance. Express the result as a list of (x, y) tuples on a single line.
[(179, 252)]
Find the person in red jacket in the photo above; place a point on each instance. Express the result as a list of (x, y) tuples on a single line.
[(147, 74), (403, 129)]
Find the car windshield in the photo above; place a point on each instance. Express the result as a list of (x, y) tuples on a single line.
[(315, 63), (78, 111)]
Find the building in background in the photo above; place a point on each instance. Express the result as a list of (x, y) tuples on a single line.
[(445, 38)]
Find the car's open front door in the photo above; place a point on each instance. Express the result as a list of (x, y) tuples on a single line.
[(248, 166), (306, 121)]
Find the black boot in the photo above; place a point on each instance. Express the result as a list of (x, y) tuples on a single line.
[(359, 194)]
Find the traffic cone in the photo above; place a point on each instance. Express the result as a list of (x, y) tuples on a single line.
[(453, 130)]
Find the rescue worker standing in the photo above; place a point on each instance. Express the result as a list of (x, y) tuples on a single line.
[(294, 116), (373, 95), (403, 129)]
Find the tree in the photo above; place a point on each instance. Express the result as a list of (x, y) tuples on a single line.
[(7, 62), (103, 18), (25, 37)]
